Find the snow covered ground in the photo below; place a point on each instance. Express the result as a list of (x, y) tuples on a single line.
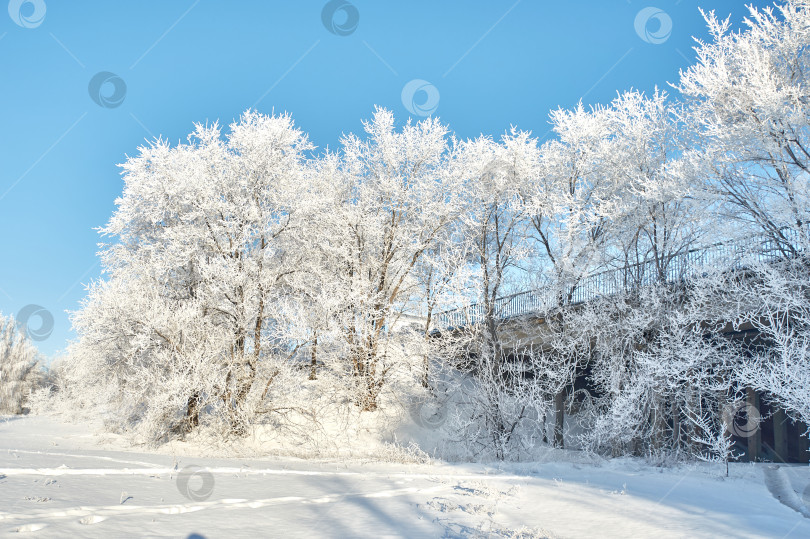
[(62, 479)]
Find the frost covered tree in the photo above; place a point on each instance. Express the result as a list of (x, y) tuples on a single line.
[(235, 253), (19, 369), (574, 203), (571, 199), (665, 213), (654, 215), (747, 97), (504, 405), (187, 314), (495, 224), (391, 203)]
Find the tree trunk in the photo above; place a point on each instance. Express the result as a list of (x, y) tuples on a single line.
[(314, 361), (192, 412), (676, 425)]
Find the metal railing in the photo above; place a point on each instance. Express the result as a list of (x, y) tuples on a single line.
[(733, 255)]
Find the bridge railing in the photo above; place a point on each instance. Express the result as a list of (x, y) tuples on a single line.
[(676, 267)]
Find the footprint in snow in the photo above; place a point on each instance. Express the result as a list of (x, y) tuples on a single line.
[(29, 527), (92, 519)]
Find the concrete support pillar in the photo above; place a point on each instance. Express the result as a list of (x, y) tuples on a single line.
[(755, 440), (658, 423), (780, 437), (803, 443)]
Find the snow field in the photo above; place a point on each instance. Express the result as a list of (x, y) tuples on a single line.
[(59, 479)]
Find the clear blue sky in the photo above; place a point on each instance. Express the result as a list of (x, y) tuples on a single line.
[(490, 64)]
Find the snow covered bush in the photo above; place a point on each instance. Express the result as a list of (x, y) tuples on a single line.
[(779, 312), (19, 368), (659, 364)]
